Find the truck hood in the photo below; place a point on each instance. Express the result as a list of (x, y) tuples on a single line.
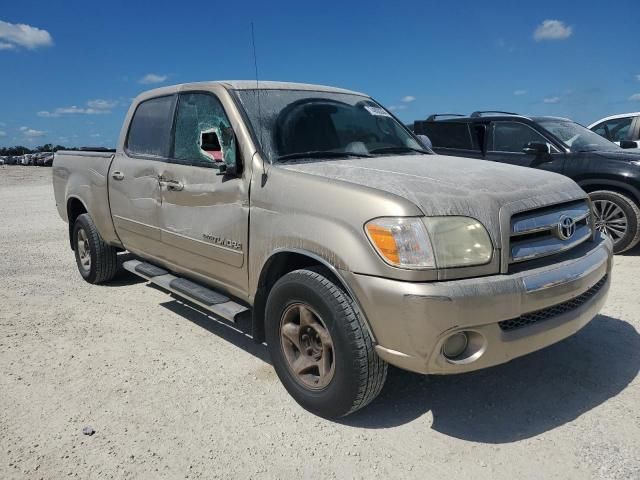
[(444, 185)]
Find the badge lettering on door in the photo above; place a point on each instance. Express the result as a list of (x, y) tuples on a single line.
[(223, 242)]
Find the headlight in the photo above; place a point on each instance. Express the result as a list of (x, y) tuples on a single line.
[(450, 241), (402, 242), (459, 241)]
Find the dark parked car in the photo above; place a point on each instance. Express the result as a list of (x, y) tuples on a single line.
[(610, 174)]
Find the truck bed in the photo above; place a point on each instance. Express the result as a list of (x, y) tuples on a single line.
[(81, 177)]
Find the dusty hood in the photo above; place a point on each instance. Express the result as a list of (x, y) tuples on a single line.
[(443, 185)]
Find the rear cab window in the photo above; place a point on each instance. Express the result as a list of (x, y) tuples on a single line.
[(150, 129)]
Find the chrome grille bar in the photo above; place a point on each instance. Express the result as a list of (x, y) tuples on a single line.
[(548, 245), (538, 233), (537, 222)]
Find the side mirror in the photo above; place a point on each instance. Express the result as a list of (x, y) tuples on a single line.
[(537, 148), (228, 170), (426, 141), (628, 144)]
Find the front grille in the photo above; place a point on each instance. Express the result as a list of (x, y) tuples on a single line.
[(553, 311), (539, 233)]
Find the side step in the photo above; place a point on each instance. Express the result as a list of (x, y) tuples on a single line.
[(206, 298)]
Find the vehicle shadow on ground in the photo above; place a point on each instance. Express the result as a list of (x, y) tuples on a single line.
[(520, 399), (237, 334), (124, 277), (507, 403), (635, 251)]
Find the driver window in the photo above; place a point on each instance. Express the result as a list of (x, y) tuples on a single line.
[(513, 136), (203, 133), (615, 130)]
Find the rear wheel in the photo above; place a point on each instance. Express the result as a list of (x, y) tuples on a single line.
[(320, 347), (618, 217), (96, 260)]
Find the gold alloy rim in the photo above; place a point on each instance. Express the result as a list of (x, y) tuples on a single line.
[(83, 250), (307, 346)]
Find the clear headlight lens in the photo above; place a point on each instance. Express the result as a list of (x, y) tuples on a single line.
[(430, 242), (402, 242), (459, 241)]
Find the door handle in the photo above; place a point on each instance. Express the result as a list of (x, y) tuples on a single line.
[(173, 185), (117, 175)]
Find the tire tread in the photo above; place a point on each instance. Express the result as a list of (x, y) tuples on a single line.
[(373, 370), (621, 197), (106, 260)]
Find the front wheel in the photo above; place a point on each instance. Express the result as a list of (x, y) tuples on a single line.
[(618, 217), (319, 345), (96, 260)]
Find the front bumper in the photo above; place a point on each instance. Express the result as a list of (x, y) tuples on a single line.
[(411, 321)]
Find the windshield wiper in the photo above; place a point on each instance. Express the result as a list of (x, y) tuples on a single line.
[(398, 149), (320, 154)]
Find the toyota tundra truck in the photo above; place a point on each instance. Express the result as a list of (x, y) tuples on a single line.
[(349, 244)]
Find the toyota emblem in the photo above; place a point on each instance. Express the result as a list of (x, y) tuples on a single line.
[(566, 227)]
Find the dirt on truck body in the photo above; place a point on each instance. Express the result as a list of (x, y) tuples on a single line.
[(352, 245)]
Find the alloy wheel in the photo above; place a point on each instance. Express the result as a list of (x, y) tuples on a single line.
[(610, 219), (307, 346), (84, 251)]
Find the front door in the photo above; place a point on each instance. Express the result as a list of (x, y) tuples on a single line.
[(506, 140), (205, 213), (134, 190)]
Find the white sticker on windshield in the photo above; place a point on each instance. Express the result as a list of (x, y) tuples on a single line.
[(380, 112)]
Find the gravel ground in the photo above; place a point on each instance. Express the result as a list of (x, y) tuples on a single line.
[(172, 393)]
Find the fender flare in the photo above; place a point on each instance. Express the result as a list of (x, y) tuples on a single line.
[(66, 209), (634, 192), (334, 271)]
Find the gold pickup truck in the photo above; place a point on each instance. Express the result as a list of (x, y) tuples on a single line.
[(352, 245)]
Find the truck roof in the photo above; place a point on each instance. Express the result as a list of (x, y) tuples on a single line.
[(247, 85)]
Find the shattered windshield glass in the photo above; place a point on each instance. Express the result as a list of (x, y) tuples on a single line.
[(302, 124)]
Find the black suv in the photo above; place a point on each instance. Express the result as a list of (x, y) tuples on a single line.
[(610, 174)]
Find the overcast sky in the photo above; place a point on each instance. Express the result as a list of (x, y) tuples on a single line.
[(68, 70)]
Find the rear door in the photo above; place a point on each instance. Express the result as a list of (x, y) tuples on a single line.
[(134, 189), (506, 140), (205, 214)]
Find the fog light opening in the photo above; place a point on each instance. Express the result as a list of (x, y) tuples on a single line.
[(455, 345)]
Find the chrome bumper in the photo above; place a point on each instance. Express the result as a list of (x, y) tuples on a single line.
[(411, 321)]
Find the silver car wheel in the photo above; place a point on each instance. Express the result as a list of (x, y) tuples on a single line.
[(610, 219)]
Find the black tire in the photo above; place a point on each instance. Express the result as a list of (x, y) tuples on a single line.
[(629, 210), (103, 261), (358, 375)]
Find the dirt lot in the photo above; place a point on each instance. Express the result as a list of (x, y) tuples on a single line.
[(173, 393)]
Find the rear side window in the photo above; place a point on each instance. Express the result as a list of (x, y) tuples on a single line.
[(150, 130), (448, 135)]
